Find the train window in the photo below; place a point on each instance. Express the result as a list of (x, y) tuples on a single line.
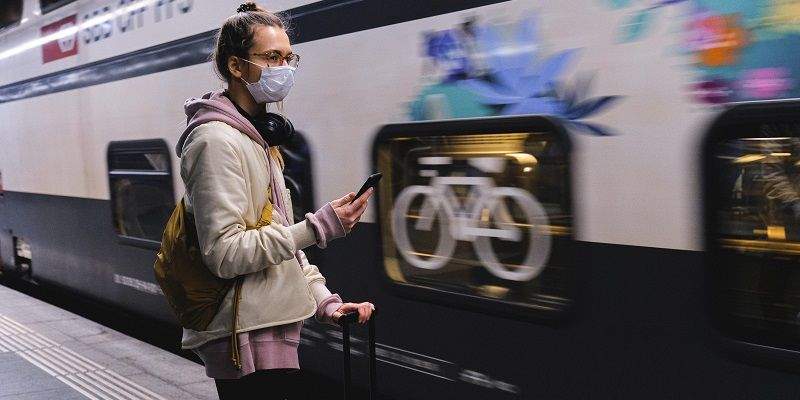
[(50, 5), (142, 197), (752, 189), (478, 213), (10, 13)]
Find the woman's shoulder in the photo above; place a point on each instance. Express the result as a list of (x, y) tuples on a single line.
[(214, 131), (215, 136), (214, 139)]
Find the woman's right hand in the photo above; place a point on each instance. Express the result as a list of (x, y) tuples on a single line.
[(350, 214), (364, 311)]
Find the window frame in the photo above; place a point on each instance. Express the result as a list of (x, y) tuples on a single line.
[(137, 146), (54, 5), (17, 21), (477, 126), (727, 126)]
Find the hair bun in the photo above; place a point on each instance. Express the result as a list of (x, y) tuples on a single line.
[(246, 7)]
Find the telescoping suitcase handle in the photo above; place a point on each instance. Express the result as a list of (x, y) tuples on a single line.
[(345, 321)]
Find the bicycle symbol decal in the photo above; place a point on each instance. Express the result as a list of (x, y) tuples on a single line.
[(484, 215)]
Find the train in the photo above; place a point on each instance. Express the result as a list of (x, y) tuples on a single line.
[(580, 199)]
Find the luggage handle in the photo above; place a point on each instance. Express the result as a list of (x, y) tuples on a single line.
[(345, 321)]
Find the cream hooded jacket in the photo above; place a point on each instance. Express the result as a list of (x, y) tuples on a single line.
[(227, 175)]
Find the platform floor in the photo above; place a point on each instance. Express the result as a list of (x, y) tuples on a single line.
[(49, 353)]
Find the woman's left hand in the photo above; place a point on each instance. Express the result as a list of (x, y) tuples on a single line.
[(364, 311)]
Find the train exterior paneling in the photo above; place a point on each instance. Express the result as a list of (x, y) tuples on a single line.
[(72, 244), (578, 129)]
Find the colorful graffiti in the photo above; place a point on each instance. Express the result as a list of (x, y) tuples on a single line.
[(739, 50), (483, 70), (716, 40), (742, 49)]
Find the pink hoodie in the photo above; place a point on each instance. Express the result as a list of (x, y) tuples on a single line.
[(215, 106)]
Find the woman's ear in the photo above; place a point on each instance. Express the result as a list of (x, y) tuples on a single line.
[(235, 67)]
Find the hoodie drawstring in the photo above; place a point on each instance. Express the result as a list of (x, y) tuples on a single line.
[(235, 357)]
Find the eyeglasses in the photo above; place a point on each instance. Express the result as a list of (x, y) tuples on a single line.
[(275, 59)]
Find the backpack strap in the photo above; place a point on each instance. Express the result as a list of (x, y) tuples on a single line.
[(266, 213), (266, 219), (237, 293)]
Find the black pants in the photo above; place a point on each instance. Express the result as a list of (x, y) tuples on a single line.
[(267, 384)]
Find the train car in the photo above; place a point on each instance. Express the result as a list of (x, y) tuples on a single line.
[(581, 199)]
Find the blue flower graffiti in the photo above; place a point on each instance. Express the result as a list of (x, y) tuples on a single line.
[(483, 73), (448, 53)]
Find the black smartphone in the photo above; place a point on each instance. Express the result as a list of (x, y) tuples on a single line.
[(372, 181)]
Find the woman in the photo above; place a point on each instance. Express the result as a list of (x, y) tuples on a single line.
[(231, 167)]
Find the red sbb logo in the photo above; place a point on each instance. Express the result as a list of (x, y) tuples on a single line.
[(63, 46)]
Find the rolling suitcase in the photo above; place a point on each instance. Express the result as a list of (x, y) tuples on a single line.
[(345, 321)]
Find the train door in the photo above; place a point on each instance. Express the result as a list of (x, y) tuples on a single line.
[(10, 16), (752, 220)]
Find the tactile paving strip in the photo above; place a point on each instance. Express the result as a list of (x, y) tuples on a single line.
[(82, 374)]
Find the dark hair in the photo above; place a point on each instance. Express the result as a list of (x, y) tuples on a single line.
[(236, 34)]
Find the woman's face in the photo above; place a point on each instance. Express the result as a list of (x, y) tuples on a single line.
[(266, 39)]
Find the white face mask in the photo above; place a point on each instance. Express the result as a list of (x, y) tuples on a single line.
[(274, 84)]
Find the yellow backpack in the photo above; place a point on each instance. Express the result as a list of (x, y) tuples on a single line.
[(192, 291)]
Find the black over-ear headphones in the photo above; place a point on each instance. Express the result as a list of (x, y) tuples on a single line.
[(274, 128)]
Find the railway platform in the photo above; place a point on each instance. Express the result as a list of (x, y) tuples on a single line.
[(50, 353)]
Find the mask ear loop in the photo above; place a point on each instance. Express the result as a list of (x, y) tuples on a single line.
[(248, 68), (240, 59), (278, 105)]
